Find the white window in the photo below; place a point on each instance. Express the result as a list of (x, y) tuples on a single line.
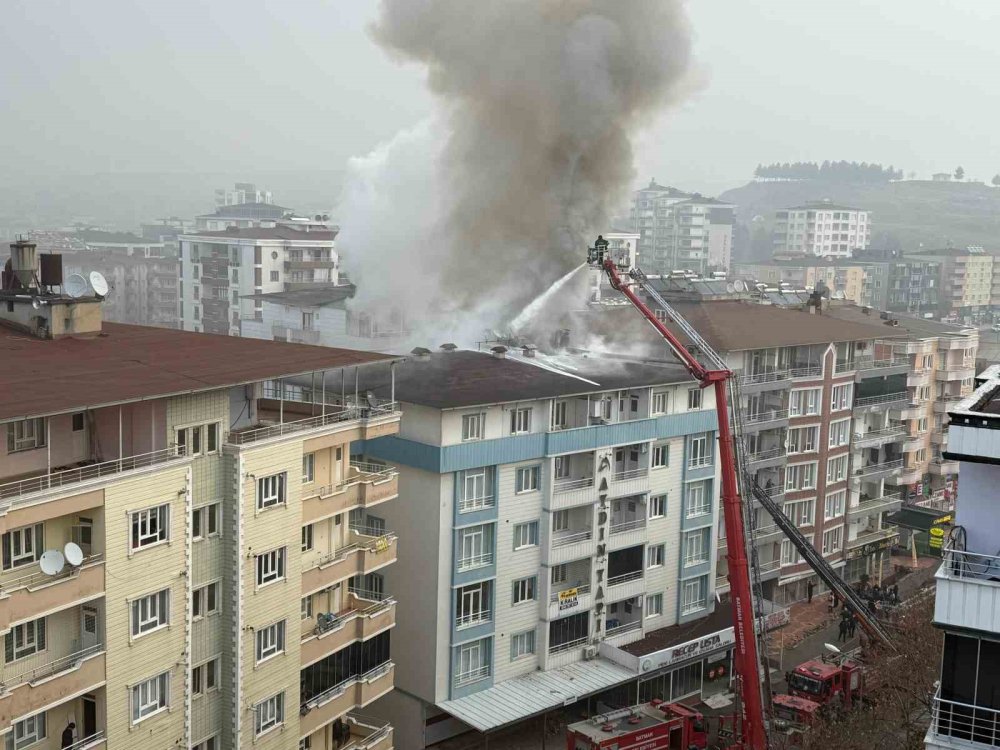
[(922, 424), (560, 573), (269, 713), (803, 439), (526, 479), (526, 535), (661, 402), (522, 644), (472, 605), (476, 488), (270, 640), (840, 433), (834, 505), (836, 469), (472, 426), (694, 398), (560, 520), (562, 467), (150, 526), (524, 589), (23, 546), (800, 477), (307, 537), (271, 491), (654, 605), (800, 512), (696, 547), (205, 600), (693, 595), (150, 612), (205, 521), (150, 697), (198, 439), (701, 453), (205, 677), (27, 732), (475, 547), (270, 566), (661, 456), (559, 410), (699, 501), (841, 397), (804, 401), (655, 555), (209, 743), (25, 640), (25, 435), (308, 467), (657, 506), (473, 662), (520, 421), (789, 554), (919, 456), (833, 540)]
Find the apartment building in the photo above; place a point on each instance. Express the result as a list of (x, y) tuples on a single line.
[(189, 560), (221, 270), (821, 228), (242, 193), (121, 243), (965, 281), (844, 279), (965, 712), (557, 507), (913, 286), (144, 289)]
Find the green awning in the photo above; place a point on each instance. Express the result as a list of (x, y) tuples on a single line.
[(920, 519)]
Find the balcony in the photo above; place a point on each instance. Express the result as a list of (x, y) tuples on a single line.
[(567, 599), (805, 371), (869, 367), (628, 531), (868, 542), (45, 684), (941, 467), (876, 438), (626, 585), (365, 556), (765, 419), (634, 481), (570, 544), (366, 485), (955, 725), (949, 375), (354, 692), (945, 404), (766, 534), (316, 425), (917, 378), (366, 616), (766, 458), (887, 503), (872, 471), (968, 590), (763, 380), (878, 403), (30, 595), (569, 492), (939, 436), (914, 442)]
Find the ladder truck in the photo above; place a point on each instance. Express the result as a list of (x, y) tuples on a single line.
[(750, 724)]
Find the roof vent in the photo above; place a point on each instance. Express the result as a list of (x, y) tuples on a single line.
[(528, 350), (500, 352), (449, 347), (421, 353)]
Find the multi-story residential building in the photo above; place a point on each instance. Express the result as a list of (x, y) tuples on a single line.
[(242, 192), (557, 507), (267, 215), (221, 271), (845, 279), (913, 286), (821, 228), (188, 559), (965, 282), (965, 712), (121, 243)]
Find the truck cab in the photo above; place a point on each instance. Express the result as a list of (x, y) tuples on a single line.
[(650, 726), (824, 682)]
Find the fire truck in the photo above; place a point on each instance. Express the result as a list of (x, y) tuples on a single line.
[(828, 681), (649, 726)]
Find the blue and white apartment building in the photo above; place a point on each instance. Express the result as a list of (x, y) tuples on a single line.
[(559, 509)]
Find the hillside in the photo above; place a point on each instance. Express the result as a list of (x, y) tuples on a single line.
[(904, 214)]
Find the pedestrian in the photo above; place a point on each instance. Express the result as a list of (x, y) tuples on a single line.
[(852, 624), (810, 588), (832, 603), (67, 735), (895, 593), (843, 631)]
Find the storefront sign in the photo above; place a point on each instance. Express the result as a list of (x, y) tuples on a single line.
[(777, 619), (568, 599), (692, 649), (872, 547), (936, 537)]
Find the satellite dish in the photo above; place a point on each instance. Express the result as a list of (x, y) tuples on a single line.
[(99, 283), (730, 287), (35, 303), (831, 648), (51, 562), (739, 285), (76, 286), (73, 554)]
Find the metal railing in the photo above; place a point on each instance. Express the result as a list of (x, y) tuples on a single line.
[(965, 564), (473, 675), (475, 618), (367, 473), (767, 415), (623, 526), (868, 505), (768, 376), (583, 588), (90, 741), (877, 436), (37, 578), (625, 578), (57, 479), (332, 692), (885, 398), (568, 485), (625, 627), (874, 535), (62, 664), (374, 544), (863, 471), (255, 434), (699, 461), (621, 476), (568, 645), (475, 561), (963, 721), (562, 540), (376, 729), (765, 455), (870, 363), (471, 504), (809, 371)]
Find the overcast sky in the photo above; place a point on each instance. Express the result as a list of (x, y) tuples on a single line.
[(146, 85)]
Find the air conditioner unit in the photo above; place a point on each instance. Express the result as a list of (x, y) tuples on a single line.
[(590, 653)]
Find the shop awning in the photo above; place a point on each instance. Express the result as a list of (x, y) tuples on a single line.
[(920, 519)]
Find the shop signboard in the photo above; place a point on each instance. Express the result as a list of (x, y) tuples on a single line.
[(700, 647), (569, 599), (872, 547)]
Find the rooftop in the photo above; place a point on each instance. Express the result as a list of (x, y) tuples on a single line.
[(655, 187), (268, 233), (822, 206), (913, 326), (657, 640), (321, 297), (132, 363), (97, 237), (248, 211), (949, 252)]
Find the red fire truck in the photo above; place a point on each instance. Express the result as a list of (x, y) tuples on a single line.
[(648, 726), (828, 681)]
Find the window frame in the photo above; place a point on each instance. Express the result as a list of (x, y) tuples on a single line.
[(653, 605), (280, 562), (522, 644), (205, 677), (701, 555), (308, 468), (520, 420), (477, 420), (704, 506), (161, 601), (17, 537), (18, 437), (524, 473), (657, 506), (205, 521), (660, 402), (694, 604), (660, 458), (203, 596), (271, 497), (38, 731), (832, 464), (835, 533), (837, 426), (656, 555), (699, 457), (529, 528), (139, 541), (274, 705), (695, 400), (269, 641), (38, 630), (524, 590), (161, 683)]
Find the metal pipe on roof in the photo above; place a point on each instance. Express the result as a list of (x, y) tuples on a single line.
[(323, 389), (120, 442), (281, 401)]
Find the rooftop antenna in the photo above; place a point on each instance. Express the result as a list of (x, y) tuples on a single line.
[(73, 554), (739, 285), (99, 284), (52, 562), (730, 287), (76, 286)]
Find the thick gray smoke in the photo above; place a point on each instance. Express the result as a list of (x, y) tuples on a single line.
[(483, 207)]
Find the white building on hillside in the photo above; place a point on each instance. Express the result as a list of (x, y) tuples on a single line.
[(822, 228)]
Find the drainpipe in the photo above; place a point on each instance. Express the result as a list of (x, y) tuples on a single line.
[(120, 448), (281, 401)]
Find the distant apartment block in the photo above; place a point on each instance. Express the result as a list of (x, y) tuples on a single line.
[(821, 229), (189, 559), (242, 192), (965, 282), (144, 289), (121, 244), (266, 215), (843, 278)]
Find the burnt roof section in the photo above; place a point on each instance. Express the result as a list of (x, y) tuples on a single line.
[(913, 326), (133, 363), (319, 297), (268, 233), (449, 380)]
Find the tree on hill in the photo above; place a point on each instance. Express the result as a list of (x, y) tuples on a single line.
[(959, 173), (837, 171), (996, 180)]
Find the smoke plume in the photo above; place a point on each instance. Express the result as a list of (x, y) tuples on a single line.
[(478, 210)]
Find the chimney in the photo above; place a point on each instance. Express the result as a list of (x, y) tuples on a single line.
[(499, 352), (421, 353), (449, 347), (528, 350)]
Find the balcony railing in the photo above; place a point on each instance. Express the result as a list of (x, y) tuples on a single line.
[(878, 436), (366, 473), (864, 471), (870, 363), (376, 729), (873, 535), (11, 492), (965, 564), (475, 561), (89, 741), (766, 455), (808, 371), (872, 504), (37, 578), (332, 692), (568, 485), (622, 526), (473, 618), (624, 627), (885, 398), (583, 588), (699, 461), (53, 667), (255, 434), (621, 476), (625, 578), (768, 376), (472, 675), (962, 721), (560, 539), (568, 645), (470, 504), (766, 415)]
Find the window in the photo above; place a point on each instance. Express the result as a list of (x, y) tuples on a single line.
[(472, 426), (833, 540), (150, 612), (205, 677), (24, 640), (804, 401), (78, 421), (476, 488), (27, 732), (919, 456), (205, 521), (922, 424), (654, 605), (800, 477), (520, 421), (472, 604), (270, 640), (803, 439), (522, 644), (661, 456), (23, 546), (205, 600), (270, 566), (26, 435), (699, 502), (655, 554), (560, 520), (274, 276), (700, 454), (150, 526), (693, 595), (801, 512), (657, 506), (560, 573), (834, 505), (306, 607), (524, 589), (475, 546), (559, 411), (841, 397), (840, 433), (526, 535), (307, 537), (696, 547), (836, 469), (210, 743), (308, 468), (694, 398), (150, 697), (526, 479), (269, 713), (270, 491), (473, 662), (790, 555), (198, 439), (562, 467), (661, 402)]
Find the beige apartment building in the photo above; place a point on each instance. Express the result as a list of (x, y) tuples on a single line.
[(840, 277), (189, 559)]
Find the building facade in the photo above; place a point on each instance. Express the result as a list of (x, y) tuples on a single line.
[(844, 279), (144, 289), (822, 229), (242, 192), (965, 282)]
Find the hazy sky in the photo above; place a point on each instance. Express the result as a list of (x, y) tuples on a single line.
[(147, 85)]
